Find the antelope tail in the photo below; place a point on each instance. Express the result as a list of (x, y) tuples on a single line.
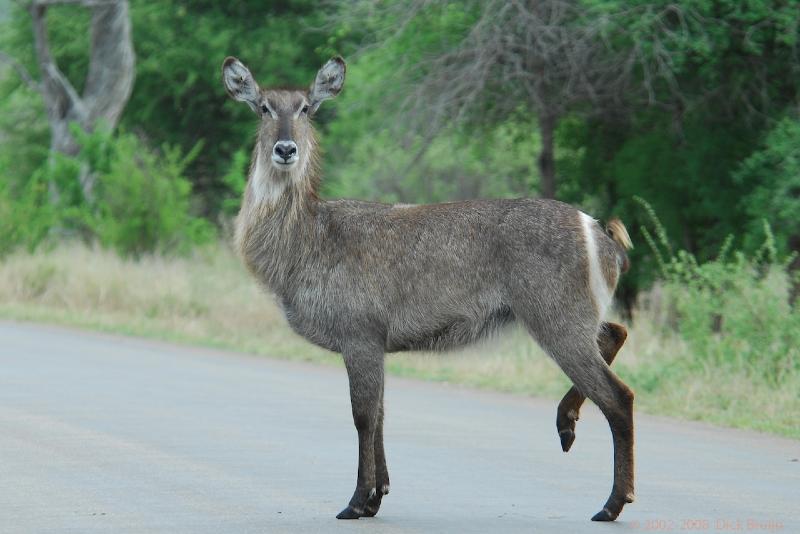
[(617, 231)]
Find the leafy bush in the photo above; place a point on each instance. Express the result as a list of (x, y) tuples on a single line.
[(733, 311), (139, 201), (26, 214)]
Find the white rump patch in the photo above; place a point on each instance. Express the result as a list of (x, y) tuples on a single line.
[(600, 292)]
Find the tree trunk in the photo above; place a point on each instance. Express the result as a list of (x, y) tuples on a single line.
[(108, 83), (546, 161)]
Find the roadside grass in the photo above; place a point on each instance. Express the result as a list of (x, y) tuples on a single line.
[(209, 299)]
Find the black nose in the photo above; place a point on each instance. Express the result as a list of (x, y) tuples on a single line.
[(285, 149)]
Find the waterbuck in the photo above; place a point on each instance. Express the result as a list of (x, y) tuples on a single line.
[(365, 279)]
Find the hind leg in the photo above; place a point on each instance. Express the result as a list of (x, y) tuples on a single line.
[(610, 339), (575, 350)]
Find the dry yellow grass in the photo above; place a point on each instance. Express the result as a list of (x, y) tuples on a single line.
[(206, 297), (209, 299)]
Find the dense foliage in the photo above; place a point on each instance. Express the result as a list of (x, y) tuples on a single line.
[(140, 203), (712, 143), (732, 314)]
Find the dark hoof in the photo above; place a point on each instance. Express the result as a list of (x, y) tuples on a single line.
[(567, 439), (373, 505), (370, 510), (349, 513), (604, 515)]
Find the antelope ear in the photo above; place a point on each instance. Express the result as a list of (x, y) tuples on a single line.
[(328, 83), (239, 83)]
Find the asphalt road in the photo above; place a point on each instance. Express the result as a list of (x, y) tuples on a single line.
[(102, 433)]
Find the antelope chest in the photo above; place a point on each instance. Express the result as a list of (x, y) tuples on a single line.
[(312, 318)]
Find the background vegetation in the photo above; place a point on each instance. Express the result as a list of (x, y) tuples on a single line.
[(688, 109)]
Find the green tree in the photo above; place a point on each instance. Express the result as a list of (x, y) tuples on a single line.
[(736, 70)]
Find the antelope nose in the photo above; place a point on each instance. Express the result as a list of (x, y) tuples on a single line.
[(285, 150)]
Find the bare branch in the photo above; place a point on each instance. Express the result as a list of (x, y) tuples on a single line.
[(21, 71), (109, 81), (60, 96), (111, 67), (552, 56)]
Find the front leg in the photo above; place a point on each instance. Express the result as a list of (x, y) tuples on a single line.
[(381, 471), (365, 371)]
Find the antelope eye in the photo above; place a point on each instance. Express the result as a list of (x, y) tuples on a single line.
[(264, 108), (305, 109)]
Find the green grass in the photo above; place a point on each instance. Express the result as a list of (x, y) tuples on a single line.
[(208, 299)]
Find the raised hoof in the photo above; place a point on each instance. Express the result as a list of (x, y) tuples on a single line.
[(567, 439), (349, 513), (604, 515)]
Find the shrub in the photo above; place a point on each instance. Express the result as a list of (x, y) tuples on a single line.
[(734, 311), (139, 201), (26, 214)]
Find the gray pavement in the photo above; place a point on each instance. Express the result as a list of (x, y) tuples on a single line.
[(102, 433)]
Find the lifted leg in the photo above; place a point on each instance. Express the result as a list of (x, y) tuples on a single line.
[(610, 339)]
